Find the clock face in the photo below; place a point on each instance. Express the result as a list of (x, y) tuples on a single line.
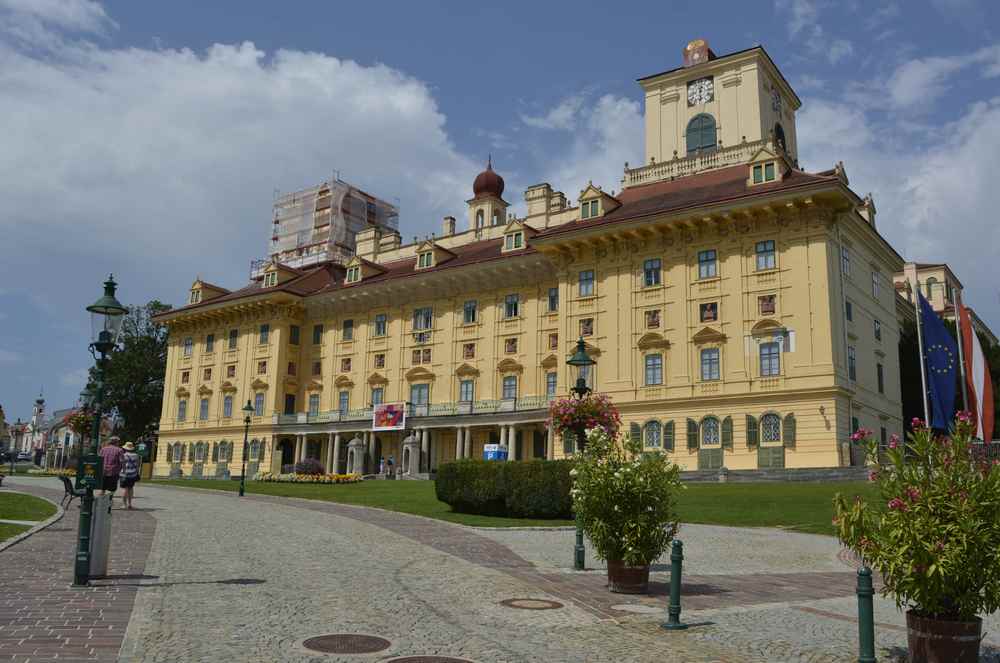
[(700, 91)]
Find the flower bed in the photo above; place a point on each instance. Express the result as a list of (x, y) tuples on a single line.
[(307, 478), (68, 472)]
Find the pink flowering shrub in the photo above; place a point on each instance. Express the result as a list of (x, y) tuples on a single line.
[(934, 533), (592, 411)]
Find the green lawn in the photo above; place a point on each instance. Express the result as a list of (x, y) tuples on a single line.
[(803, 507), (16, 506), (9, 531)]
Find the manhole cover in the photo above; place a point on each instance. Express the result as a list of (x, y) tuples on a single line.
[(346, 643), (430, 659), (531, 604)]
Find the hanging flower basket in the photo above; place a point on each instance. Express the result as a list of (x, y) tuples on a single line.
[(592, 411)]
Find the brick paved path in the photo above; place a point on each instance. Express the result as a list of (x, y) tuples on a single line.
[(44, 618)]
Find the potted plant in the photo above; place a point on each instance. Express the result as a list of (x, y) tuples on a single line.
[(626, 504), (933, 534)]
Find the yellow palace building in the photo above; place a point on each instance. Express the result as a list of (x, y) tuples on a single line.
[(741, 310)]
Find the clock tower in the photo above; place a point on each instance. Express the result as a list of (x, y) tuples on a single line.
[(717, 103)]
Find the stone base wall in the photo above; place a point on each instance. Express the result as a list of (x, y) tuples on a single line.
[(787, 474)]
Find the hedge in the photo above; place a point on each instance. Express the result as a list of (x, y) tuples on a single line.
[(520, 489)]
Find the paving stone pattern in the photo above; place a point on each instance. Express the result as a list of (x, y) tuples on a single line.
[(44, 618)]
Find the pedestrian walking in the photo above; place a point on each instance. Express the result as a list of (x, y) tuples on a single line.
[(391, 462), (131, 464), (111, 459), (381, 465)]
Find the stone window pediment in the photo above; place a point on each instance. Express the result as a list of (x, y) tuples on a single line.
[(509, 366), (652, 340), (377, 378), (466, 370), (419, 373), (204, 390), (550, 362), (314, 385), (228, 387), (182, 392), (708, 335), (343, 381), (767, 327), (258, 384)]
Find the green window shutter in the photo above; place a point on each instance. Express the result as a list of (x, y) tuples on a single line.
[(727, 433), (215, 452), (788, 432), (668, 436), (751, 431), (170, 453), (635, 431), (692, 434)]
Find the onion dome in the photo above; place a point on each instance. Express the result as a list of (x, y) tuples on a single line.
[(488, 184)]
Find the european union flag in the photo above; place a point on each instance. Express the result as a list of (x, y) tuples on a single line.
[(941, 357)]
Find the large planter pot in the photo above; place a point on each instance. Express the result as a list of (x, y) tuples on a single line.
[(942, 641), (624, 579)]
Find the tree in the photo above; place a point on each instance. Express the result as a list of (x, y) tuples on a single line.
[(134, 374)]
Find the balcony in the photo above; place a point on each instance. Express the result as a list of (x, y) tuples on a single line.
[(689, 165)]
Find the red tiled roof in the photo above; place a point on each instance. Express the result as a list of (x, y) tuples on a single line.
[(712, 187)]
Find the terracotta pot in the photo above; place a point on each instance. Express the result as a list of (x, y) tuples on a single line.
[(942, 641), (624, 579)]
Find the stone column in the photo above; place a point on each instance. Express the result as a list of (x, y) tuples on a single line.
[(550, 447), (371, 453), (329, 453), (468, 442), (336, 454), (458, 442), (425, 443), (511, 443), (298, 448)]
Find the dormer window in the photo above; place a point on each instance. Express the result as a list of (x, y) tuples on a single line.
[(270, 279), (353, 274), (763, 172), (514, 241), (195, 297), (589, 209), (425, 259)]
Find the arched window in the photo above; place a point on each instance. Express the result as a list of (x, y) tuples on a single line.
[(710, 432), (701, 133), (479, 219), (770, 428), (779, 137), (651, 434), (931, 284), (496, 217)]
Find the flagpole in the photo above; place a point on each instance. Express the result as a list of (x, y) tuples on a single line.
[(961, 350), (920, 346)]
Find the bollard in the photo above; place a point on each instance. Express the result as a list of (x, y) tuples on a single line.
[(578, 550), (866, 617), (673, 622)]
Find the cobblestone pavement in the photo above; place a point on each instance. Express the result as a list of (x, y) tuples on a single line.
[(42, 617)]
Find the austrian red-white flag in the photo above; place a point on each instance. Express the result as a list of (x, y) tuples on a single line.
[(977, 378)]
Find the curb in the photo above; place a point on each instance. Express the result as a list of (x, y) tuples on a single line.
[(60, 512)]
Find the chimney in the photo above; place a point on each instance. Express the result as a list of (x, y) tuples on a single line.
[(449, 226), (697, 52)]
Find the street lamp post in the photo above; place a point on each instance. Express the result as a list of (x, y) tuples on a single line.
[(106, 316), (582, 362), (247, 413)]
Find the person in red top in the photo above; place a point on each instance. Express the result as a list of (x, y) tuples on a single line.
[(111, 455)]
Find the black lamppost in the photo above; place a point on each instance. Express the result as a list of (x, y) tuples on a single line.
[(106, 318), (582, 362), (247, 412)]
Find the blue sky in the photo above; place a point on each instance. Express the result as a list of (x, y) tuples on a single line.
[(147, 138)]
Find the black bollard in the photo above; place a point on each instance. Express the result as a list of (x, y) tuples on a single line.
[(866, 617), (673, 622)]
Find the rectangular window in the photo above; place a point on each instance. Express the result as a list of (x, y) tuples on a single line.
[(231, 371), (210, 343), (848, 310), (416, 357), (878, 330), (381, 324), (380, 360), (586, 283), (855, 424), (289, 404), (227, 407), (709, 312), (261, 367), (845, 261), (270, 279), (469, 351), (378, 395), (765, 255), (182, 408), (265, 333), (345, 365), (291, 368), (258, 405), (553, 300), (423, 318), (587, 327), (514, 241), (343, 401), (425, 259), (313, 404), (510, 387), (469, 311), (426, 356), (770, 359), (880, 376), (233, 335), (550, 384), (707, 264), (512, 306), (188, 346), (353, 274), (203, 409), (766, 304), (510, 345), (206, 375), (654, 369), (317, 334), (769, 172), (553, 341), (466, 391), (293, 334), (420, 394), (185, 377), (348, 333), (852, 364), (651, 272), (710, 364), (876, 277), (652, 319), (317, 368), (758, 174)]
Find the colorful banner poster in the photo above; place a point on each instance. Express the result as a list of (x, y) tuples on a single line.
[(389, 416)]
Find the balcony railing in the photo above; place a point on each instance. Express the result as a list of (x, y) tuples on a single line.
[(689, 165), (526, 403)]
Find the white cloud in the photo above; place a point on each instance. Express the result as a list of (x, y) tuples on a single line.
[(29, 21), (838, 50), (562, 116), (802, 13), (804, 25), (916, 83), (76, 379), (7, 356)]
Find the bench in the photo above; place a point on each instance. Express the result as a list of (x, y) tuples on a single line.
[(71, 492)]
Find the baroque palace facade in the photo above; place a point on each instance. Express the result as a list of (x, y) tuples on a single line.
[(741, 312)]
